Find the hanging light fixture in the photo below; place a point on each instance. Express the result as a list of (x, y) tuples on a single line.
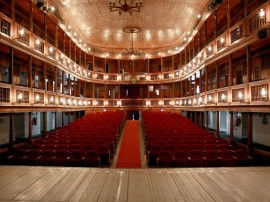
[(132, 51), (127, 6)]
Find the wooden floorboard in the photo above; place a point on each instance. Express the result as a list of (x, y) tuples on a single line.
[(26, 183)]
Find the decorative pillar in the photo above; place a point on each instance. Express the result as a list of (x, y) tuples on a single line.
[(11, 80), (68, 117), (63, 119), (201, 119), (55, 120), (250, 135), (230, 71), (206, 120), (30, 128), (248, 64), (231, 128), (44, 124), (217, 124), (11, 132)]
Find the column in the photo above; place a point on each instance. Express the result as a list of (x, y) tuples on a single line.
[(68, 117), (30, 72), (250, 136), (11, 66), (11, 131), (206, 120), (30, 127), (55, 120), (201, 119), (44, 124), (230, 71), (206, 79), (217, 75), (248, 64), (231, 128), (63, 119), (217, 124)]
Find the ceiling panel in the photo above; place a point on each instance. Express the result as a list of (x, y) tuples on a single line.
[(163, 23)]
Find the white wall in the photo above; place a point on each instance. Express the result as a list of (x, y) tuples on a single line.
[(50, 121), (21, 125), (224, 122), (36, 125), (59, 119), (212, 120), (4, 128), (237, 125), (260, 131)]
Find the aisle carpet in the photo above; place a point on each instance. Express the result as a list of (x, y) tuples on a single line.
[(129, 154)]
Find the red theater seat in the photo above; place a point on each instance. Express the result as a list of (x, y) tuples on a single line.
[(180, 158)]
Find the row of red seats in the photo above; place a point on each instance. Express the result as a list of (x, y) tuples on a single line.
[(202, 158), (60, 157), (68, 146), (168, 133)]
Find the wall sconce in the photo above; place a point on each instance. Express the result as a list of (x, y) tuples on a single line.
[(80, 103), (209, 48), (51, 49), (51, 99), (37, 42), (264, 93), (89, 102), (223, 97), (240, 95), (74, 102), (200, 100), (194, 101), (106, 77), (37, 98), (20, 34), (160, 102), (189, 101), (119, 103), (20, 96), (210, 98), (61, 100), (262, 14), (177, 102), (84, 102), (69, 102)]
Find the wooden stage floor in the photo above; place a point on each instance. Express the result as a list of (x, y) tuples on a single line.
[(25, 183)]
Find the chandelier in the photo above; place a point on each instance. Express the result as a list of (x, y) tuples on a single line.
[(132, 51), (125, 6)]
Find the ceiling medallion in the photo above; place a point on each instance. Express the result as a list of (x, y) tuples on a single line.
[(127, 6), (132, 51)]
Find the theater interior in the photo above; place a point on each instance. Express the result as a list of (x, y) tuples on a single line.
[(134, 100)]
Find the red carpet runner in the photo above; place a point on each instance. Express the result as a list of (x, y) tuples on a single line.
[(129, 154)]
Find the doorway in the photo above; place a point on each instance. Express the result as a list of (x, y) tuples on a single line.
[(133, 115)]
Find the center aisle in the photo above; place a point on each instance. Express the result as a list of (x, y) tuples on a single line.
[(129, 154)]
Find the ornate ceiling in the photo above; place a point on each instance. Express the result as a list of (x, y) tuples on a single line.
[(164, 23)]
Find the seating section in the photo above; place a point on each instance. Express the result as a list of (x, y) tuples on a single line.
[(175, 141), (89, 141)]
